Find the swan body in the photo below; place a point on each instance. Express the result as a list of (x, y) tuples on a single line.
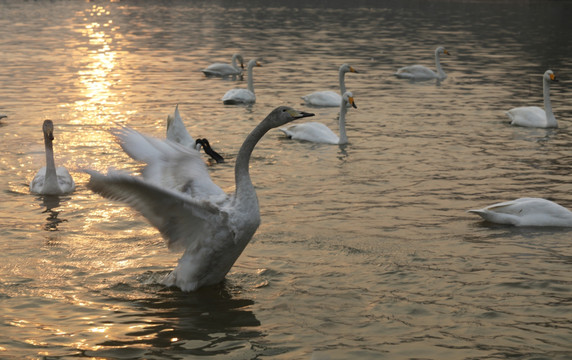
[(421, 73), (242, 96), (177, 132), (527, 212), (50, 180), (533, 116), (2, 116), (330, 98), (224, 70), (192, 213), (320, 133)]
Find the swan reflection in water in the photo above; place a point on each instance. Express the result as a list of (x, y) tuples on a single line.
[(51, 203)]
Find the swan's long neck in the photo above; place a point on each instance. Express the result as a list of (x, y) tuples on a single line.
[(551, 120), (342, 76), (234, 65), (244, 187), (51, 176), (250, 81), (343, 111), (440, 71)]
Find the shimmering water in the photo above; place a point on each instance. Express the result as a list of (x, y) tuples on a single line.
[(365, 250)]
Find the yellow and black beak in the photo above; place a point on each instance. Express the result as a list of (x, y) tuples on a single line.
[(352, 102)]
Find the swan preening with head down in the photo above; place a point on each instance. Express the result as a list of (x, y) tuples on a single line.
[(224, 70), (421, 73), (177, 132), (533, 116), (527, 212), (51, 180), (320, 133), (193, 214), (330, 98), (242, 96)]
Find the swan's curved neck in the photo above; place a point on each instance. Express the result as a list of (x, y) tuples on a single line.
[(551, 120), (250, 81), (342, 76), (234, 65), (51, 176), (343, 111), (244, 187), (440, 71)]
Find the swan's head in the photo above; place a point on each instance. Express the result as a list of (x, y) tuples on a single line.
[(48, 128), (348, 98), (283, 115), (254, 62), (442, 50), (549, 76), (347, 68)]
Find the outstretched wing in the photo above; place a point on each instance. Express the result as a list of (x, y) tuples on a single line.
[(183, 222), (176, 130), (170, 165)]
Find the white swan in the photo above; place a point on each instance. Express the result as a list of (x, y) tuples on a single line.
[(177, 132), (2, 116), (51, 180), (222, 69), (242, 96), (320, 133), (420, 72), (527, 212), (533, 116), (330, 98), (192, 213)]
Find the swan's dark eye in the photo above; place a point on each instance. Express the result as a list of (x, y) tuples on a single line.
[(283, 110)]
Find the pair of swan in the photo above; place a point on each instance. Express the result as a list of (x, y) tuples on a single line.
[(177, 132), (242, 96), (193, 214), (422, 73), (51, 180), (320, 133), (330, 98), (224, 70), (533, 116)]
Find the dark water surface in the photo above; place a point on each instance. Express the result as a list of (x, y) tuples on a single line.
[(365, 250)]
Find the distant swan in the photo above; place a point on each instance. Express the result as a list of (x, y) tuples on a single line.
[(192, 213), (533, 116), (177, 132), (51, 180), (420, 72), (242, 96), (527, 212), (330, 98), (222, 69), (2, 116), (320, 133)]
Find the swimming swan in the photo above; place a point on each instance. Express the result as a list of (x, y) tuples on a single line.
[(192, 213), (51, 180), (330, 98), (177, 132), (223, 70), (420, 72), (320, 133), (242, 96), (533, 116), (527, 212)]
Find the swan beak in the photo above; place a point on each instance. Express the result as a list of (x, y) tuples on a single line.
[(446, 52), (299, 114), (352, 102), (258, 64), (353, 70), (553, 78)]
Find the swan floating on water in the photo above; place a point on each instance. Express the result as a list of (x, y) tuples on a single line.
[(330, 98), (2, 116), (527, 212), (51, 180), (177, 132), (421, 73), (320, 133), (242, 96), (533, 116), (192, 213), (224, 70)]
